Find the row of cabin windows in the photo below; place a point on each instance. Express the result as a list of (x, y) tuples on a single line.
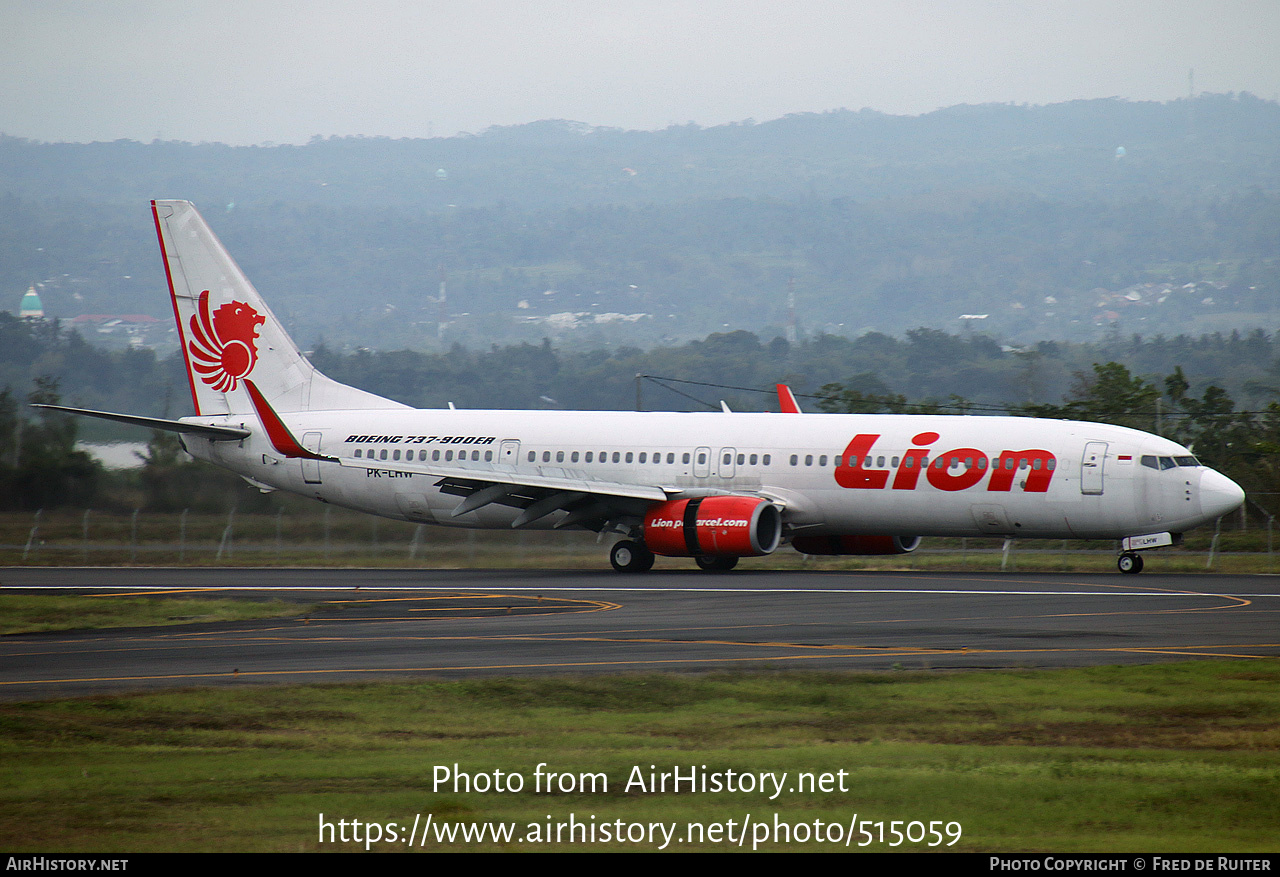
[(644, 457), (573, 456), (749, 459), (436, 456), (943, 462)]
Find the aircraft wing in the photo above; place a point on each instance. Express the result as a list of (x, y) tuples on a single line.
[(588, 501)]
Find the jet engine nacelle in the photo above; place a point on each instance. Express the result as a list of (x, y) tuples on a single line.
[(855, 544), (713, 526)]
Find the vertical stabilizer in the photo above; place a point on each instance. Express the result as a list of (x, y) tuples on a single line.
[(228, 333)]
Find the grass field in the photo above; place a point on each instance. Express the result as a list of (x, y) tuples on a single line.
[(1172, 757)]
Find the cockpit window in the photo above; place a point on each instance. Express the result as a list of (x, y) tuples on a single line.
[(1152, 462)]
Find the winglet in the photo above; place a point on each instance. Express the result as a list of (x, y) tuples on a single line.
[(787, 400), (281, 439)]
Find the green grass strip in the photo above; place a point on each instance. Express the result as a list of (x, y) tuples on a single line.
[(1171, 757)]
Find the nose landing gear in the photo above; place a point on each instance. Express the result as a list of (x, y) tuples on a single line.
[(1130, 562)]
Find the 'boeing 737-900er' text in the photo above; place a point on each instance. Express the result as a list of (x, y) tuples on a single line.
[(713, 487)]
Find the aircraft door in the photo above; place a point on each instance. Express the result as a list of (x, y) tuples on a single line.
[(725, 461), (311, 468), (509, 452), (701, 462), (1091, 466)]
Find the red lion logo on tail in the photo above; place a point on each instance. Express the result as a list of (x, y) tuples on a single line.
[(224, 347)]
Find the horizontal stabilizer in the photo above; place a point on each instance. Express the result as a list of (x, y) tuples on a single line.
[(214, 433)]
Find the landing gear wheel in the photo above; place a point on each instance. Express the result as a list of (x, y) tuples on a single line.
[(1130, 563), (628, 556), (716, 564)]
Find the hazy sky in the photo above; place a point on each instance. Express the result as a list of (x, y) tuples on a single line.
[(252, 71)]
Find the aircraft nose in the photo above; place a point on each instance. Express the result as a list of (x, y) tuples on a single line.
[(1219, 495)]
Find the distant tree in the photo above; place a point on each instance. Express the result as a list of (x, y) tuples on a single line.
[(48, 470), (1109, 395)]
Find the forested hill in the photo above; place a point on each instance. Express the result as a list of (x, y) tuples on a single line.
[(1065, 221), (1214, 144)]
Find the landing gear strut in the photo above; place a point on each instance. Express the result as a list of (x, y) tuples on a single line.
[(628, 556), (1130, 562)]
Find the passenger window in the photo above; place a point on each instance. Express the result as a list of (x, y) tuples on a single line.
[(794, 459), (616, 456), (488, 456), (879, 462), (383, 455), (741, 459), (894, 464), (573, 458), (559, 456), (671, 458), (628, 456), (702, 459), (532, 456), (448, 455), (546, 456), (685, 458), (643, 457), (357, 452), (753, 459), (435, 455), (588, 456), (822, 461), (766, 458), (728, 458), (808, 459)]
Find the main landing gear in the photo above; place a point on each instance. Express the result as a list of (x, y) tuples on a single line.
[(1130, 562), (632, 556), (628, 556)]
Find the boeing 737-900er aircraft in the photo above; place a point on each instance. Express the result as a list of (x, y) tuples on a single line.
[(713, 486)]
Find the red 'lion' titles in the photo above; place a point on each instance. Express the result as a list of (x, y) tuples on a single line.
[(956, 469)]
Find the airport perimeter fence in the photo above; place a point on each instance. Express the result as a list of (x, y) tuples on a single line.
[(339, 537)]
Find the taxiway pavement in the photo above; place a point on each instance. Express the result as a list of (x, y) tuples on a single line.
[(403, 624)]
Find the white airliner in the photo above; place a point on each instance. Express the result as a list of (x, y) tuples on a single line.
[(714, 487)]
